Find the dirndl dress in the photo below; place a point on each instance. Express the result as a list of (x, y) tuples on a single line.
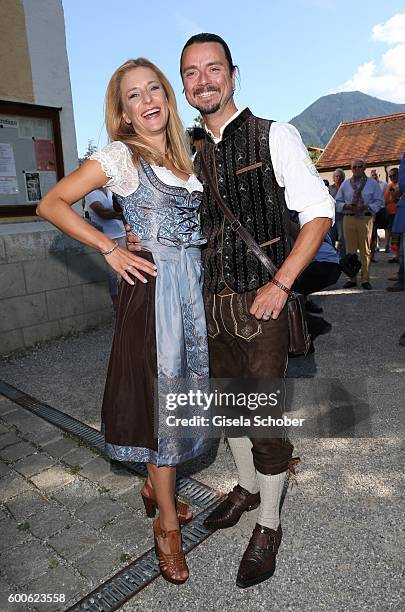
[(160, 334)]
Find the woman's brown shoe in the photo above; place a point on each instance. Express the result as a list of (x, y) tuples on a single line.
[(184, 513), (172, 564)]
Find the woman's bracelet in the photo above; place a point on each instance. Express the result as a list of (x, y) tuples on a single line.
[(281, 286), (111, 250)]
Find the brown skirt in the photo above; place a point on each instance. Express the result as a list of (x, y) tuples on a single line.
[(127, 412)]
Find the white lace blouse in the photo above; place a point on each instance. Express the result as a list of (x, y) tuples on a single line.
[(116, 163)]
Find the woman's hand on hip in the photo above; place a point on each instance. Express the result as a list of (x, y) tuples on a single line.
[(122, 261)]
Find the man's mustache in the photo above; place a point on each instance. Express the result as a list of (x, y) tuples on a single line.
[(200, 90)]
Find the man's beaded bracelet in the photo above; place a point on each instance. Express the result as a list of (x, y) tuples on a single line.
[(111, 250), (281, 286)]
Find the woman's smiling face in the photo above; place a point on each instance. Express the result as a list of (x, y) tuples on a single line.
[(144, 101)]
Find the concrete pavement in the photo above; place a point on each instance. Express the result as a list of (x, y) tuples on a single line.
[(70, 519)]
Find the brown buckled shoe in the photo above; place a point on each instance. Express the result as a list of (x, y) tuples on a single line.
[(228, 513), (259, 560)]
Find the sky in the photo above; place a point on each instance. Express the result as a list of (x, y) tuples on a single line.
[(289, 52)]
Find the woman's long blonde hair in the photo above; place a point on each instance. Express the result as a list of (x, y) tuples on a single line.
[(118, 129)]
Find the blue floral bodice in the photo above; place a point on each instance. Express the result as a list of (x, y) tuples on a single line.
[(163, 213)]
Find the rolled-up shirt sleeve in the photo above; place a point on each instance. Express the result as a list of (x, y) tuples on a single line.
[(305, 191)]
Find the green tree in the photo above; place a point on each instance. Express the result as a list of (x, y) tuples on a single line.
[(198, 122), (91, 148), (314, 153)]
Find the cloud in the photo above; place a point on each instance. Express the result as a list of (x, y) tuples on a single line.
[(392, 31), (385, 77)]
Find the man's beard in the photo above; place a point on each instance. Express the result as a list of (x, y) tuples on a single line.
[(215, 106), (208, 111)]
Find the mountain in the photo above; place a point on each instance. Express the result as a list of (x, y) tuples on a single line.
[(317, 123)]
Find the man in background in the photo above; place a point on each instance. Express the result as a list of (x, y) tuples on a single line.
[(359, 199), (100, 207), (380, 220), (383, 185)]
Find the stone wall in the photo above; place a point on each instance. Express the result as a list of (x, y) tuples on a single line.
[(50, 286)]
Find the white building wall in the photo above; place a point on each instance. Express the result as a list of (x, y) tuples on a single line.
[(45, 27)]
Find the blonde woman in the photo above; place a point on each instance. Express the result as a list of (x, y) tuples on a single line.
[(160, 330)]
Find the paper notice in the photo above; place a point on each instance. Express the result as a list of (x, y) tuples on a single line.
[(33, 186), (8, 122), (45, 154), (8, 185), (40, 129), (7, 161)]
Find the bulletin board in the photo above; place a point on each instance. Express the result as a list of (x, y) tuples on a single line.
[(31, 160)]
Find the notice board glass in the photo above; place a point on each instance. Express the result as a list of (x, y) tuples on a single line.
[(31, 159)]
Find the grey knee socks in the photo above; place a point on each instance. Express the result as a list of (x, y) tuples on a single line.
[(242, 453), (271, 488)]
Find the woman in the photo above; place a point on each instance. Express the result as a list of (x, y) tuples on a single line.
[(160, 329), (391, 197)]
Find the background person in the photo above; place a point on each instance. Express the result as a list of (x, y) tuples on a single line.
[(323, 271), (398, 228), (336, 232), (380, 219), (391, 197), (197, 138), (99, 205), (383, 185), (359, 199)]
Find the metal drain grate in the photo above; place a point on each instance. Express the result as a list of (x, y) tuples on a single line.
[(113, 593), (196, 492), (128, 582)]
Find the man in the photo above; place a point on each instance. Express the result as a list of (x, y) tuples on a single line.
[(254, 161), (359, 199), (101, 212), (383, 185), (337, 230), (380, 221), (323, 271)]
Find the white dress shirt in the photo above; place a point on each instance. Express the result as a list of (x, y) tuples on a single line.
[(305, 191), (371, 194)]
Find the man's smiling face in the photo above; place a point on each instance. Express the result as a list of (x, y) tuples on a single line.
[(207, 79)]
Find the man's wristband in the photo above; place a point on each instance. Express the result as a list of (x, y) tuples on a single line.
[(281, 286), (110, 250)]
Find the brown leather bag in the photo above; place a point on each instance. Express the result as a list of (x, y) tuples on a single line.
[(299, 337)]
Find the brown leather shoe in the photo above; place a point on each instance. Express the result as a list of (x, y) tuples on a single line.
[(184, 513), (228, 513), (172, 564), (259, 560)]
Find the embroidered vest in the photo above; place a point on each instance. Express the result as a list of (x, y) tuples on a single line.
[(248, 186)]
